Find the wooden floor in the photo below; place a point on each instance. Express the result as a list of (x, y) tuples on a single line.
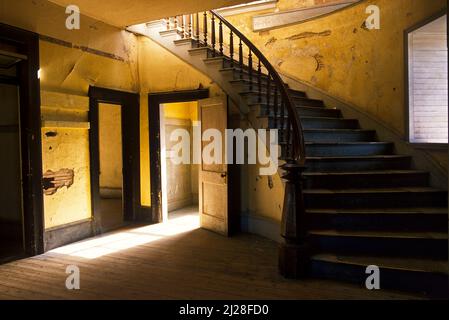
[(175, 260)]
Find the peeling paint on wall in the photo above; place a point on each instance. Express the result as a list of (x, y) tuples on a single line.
[(304, 35), (52, 181)]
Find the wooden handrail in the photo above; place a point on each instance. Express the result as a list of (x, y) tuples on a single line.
[(298, 145)]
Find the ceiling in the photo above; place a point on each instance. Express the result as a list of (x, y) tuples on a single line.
[(125, 13)]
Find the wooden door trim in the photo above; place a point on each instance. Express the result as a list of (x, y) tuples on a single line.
[(154, 100), (130, 111), (31, 146)]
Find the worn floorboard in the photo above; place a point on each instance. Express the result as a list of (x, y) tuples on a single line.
[(176, 260)]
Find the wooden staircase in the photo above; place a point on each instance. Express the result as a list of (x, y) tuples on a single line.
[(364, 204)]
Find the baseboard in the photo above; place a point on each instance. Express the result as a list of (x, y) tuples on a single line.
[(421, 159), (179, 204), (145, 214), (66, 234), (265, 227)]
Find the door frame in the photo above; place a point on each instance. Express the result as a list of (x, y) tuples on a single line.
[(31, 146), (130, 114), (154, 101)]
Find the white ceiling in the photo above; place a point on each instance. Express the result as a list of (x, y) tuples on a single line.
[(125, 13)]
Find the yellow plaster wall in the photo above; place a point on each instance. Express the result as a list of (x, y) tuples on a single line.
[(122, 62), (181, 110), (110, 145), (68, 149)]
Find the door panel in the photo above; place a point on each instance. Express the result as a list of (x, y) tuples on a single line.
[(213, 187)]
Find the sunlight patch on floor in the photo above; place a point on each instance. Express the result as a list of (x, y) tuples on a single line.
[(118, 241)]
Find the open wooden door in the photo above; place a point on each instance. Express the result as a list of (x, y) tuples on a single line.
[(213, 184)]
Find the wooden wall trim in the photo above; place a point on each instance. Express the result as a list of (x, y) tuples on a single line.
[(130, 103)]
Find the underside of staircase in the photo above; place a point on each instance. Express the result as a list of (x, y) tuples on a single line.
[(366, 205)]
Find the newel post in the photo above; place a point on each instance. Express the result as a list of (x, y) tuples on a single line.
[(294, 251)]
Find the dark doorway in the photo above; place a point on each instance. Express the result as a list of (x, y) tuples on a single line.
[(155, 100), (114, 140), (21, 214)]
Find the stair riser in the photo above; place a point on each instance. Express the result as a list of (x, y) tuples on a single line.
[(379, 222), (348, 150), (394, 247), (303, 112), (318, 123), (340, 137), (367, 181), (253, 98), (330, 124), (357, 165), (392, 279), (318, 112), (245, 87), (236, 75), (376, 200)]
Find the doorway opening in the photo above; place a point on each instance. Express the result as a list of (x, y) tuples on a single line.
[(169, 191), (111, 166), (115, 158), (21, 195), (179, 181)]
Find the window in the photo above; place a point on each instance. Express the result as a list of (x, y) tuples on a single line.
[(428, 83)]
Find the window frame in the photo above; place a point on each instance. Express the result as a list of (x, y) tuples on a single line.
[(419, 145)]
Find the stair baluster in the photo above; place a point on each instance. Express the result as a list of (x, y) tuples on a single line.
[(212, 24), (231, 48), (250, 69), (205, 28), (259, 80), (167, 23), (183, 31), (282, 130), (275, 112), (241, 58), (197, 29), (220, 37), (189, 29), (268, 94)]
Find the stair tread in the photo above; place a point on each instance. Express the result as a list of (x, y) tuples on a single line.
[(406, 264), (326, 118), (382, 234), (374, 172), (411, 210), (360, 157), (338, 130), (375, 190), (348, 143)]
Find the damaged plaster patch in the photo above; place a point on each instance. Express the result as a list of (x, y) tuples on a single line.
[(53, 181), (271, 41), (305, 35), (319, 62)]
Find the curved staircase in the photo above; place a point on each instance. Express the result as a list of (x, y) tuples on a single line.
[(364, 204)]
